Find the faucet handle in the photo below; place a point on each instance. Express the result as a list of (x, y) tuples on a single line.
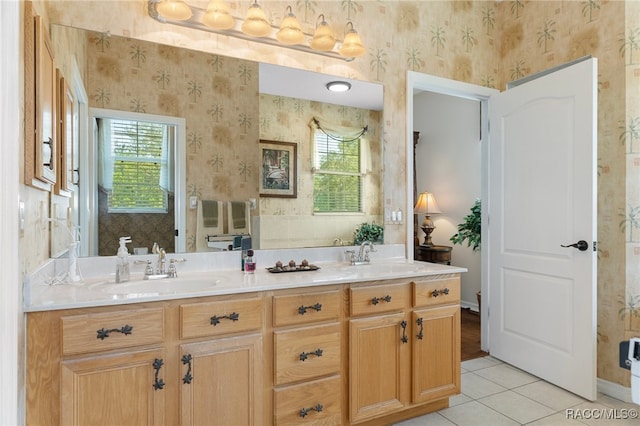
[(149, 269), (353, 255)]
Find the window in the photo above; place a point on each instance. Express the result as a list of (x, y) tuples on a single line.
[(337, 181), (135, 163)]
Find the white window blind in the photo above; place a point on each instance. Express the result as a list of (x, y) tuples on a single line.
[(337, 182), (135, 163)]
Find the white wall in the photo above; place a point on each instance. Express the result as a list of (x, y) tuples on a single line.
[(448, 164)]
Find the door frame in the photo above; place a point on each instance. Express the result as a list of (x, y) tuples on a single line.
[(423, 82)]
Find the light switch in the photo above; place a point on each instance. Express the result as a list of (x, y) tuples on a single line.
[(21, 216), (193, 202)]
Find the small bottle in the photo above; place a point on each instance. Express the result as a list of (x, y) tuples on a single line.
[(249, 263), (122, 265)]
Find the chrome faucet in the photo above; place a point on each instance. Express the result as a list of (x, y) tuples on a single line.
[(162, 257), (363, 254)]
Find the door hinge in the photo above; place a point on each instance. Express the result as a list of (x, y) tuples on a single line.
[(177, 233), (595, 246)]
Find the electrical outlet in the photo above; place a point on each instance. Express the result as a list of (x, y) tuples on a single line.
[(21, 216)]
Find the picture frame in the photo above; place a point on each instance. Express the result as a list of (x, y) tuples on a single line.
[(279, 169)]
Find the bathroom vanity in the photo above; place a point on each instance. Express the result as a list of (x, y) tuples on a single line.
[(370, 344)]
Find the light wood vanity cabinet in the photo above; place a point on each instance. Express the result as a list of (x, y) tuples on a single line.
[(330, 355)]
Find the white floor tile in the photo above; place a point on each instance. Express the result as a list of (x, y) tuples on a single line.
[(459, 399), (479, 363), (506, 376), (547, 394), (517, 407), (433, 419), (475, 414), (558, 419), (476, 387)]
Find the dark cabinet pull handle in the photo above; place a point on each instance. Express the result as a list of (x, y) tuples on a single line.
[(157, 365), (50, 160), (186, 359), (305, 411), (404, 338), (303, 309), (377, 300), (103, 333), (437, 293), (233, 316), (305, 355), (420, 334)]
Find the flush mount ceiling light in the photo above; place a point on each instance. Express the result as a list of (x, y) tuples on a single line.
[(174, 9), (290, 31), (338, 86), (255, 27)]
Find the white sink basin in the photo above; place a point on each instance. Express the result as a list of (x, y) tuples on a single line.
[(160, 286)]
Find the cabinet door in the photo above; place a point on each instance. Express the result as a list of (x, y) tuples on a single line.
[(121, 389), (436, 353), (378, 355), (222, 382)]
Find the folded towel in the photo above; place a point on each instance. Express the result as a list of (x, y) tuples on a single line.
[(238, 212), (210, 213)]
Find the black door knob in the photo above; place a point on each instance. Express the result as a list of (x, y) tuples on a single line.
[(581, 245)]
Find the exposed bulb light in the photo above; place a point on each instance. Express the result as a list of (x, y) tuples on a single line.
[(323, 39), (174, 9), (290, 31), (352, 45), (256, 23), (338, 86), (218, 16)]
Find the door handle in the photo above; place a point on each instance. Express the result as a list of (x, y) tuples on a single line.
[(581, 245)]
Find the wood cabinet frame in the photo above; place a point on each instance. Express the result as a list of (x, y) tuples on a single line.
[(66, 137)]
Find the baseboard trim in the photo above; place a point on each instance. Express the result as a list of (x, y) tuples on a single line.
[(614, 390), (469, 305)]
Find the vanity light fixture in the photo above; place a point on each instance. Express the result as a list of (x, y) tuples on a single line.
[(290, 31), (338, 86), (218, 16), (323, 39), (352, 45), (255, 27), (256, 23), (174, 9)]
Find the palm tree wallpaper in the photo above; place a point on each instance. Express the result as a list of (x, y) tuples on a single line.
[(486, 43)]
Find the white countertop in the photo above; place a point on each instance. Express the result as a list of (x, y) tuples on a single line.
[(102, 290)]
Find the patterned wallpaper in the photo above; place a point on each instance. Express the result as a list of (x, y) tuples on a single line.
[(482, 42)]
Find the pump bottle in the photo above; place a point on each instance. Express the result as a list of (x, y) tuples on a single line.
[(122, 265)]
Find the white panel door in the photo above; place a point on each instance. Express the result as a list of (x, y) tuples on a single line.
[(542, 194)]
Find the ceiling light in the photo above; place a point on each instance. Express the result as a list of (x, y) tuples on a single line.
[(352, 46), (256, 23), (174, 9), (290, 31), (218, 16), (338, 86), (323, 39)]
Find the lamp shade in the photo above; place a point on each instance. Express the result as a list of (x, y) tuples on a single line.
[(290, 31), (256, 23), (352, 45), (426, 204), (217, 15), (323, 39), (174, 9)]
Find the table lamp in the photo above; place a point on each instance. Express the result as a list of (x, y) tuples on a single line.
[(427, 205)]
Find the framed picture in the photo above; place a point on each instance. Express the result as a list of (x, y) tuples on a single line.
[(279, 173)]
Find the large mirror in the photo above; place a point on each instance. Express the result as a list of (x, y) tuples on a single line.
[(228, 106)]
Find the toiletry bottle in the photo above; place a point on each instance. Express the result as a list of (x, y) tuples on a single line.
[(249, 263), (122, 265)]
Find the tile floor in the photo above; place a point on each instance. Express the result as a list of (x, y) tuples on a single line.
[(494, 394)]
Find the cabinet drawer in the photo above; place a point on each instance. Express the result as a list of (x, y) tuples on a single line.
[(436, 292), (311, 403), (379, 298), (306, 353), (305, 308), (111, 330), (220, 317)]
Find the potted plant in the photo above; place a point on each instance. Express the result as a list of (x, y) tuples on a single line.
[(469, 231), (368, 232)]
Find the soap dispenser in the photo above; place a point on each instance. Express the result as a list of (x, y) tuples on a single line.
[(122, 265)]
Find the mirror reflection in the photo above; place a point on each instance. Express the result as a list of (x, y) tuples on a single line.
[(226, 115)]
